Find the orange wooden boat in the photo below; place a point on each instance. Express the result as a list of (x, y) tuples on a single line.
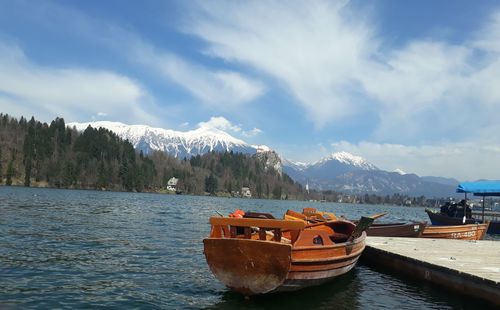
[(465, 232), (258, 256)]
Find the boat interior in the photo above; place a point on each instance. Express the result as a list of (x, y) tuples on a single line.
[(294, 229)]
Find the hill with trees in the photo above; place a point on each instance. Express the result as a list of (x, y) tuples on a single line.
[(33, 153), (38, 154)]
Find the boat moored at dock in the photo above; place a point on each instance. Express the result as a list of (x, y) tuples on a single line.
[(461, 213), (260, 255), (412, 230), (465, 232)]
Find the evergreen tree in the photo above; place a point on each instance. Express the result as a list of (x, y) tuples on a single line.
[(1, 167), (64, 157), (27, 173), (101, 175), (70, 174), (10, 173), (259, 189), (211, 184), (277, 192), (166, 177), (126, 176)]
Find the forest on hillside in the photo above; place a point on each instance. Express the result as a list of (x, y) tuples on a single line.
[(33, 153)]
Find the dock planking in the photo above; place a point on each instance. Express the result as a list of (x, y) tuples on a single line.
[(469, 267)]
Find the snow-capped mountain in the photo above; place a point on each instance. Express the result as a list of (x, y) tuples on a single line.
[(326, 168), (177, 143), (347, 159), (294, 164), (344, 172)]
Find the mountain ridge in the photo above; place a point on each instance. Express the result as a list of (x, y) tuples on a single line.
[(339, 171), (177, 143)]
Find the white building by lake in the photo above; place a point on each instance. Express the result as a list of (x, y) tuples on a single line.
[(172, 184), (245, 192)]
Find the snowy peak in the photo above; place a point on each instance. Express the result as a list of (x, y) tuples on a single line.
[(399, 171), (177, 143), (348, 159), (295, 164)]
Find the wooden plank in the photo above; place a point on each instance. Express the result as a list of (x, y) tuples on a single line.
[(249, 222), (469, 267)]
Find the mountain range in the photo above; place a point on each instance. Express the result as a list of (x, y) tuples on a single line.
[(344, 172), (176, 143), (341, 171)]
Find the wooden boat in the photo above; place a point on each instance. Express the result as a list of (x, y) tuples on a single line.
[(483, 189), (311, 216), (261, 255), (396, 229), (465, 232), (441, 219)]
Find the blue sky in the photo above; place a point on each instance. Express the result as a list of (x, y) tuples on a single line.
[(412, 85)]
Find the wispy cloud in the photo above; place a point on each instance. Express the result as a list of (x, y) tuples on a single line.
[(314, 48), (252, 133), (76, 93), (331, 58), (214, 87), (488, 37), (218, 88)]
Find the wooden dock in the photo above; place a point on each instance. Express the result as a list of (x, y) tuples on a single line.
[(468, 267)]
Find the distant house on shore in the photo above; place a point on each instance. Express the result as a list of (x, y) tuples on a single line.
[(245, 192), (172, 184)]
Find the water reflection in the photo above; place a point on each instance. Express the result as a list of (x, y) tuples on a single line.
[(342, 293)]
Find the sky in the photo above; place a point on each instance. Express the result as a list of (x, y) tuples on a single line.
[(411, 85)]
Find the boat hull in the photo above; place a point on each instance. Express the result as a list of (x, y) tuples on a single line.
[(439, 219), (492, 217), (396, 230), (253, 267), (248, 266), (465, 232)]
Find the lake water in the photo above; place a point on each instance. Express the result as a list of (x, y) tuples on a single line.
[(88, 249)]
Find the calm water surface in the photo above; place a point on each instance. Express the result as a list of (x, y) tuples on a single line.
[(87, 249)]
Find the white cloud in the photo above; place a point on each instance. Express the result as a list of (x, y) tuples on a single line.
[(72, 92), (215, 87), (331, 58), (220, 122), (429, 90), (313, 48), (99, 115), (463, 161), (488, 38), (252, 133), (220, 87)]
